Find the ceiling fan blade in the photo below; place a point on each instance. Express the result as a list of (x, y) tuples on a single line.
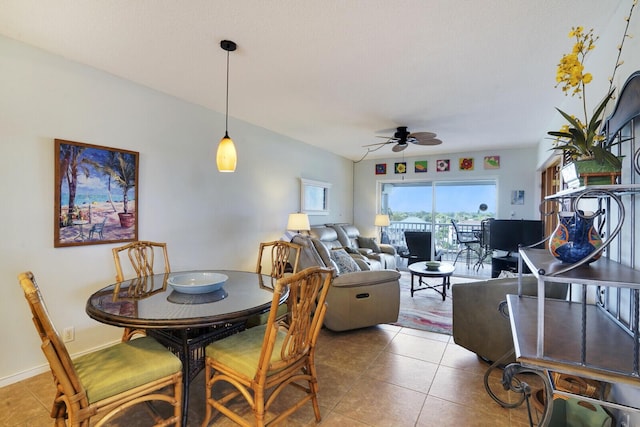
[(432, 141), (398, 147), (423, 135)]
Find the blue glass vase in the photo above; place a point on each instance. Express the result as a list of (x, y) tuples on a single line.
[(575, 237)]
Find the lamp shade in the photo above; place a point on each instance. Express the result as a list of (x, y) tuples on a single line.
[(382, 221), (226, 157), (298, 222)]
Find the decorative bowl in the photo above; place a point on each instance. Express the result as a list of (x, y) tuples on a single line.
[(200, 282), (432, 265)]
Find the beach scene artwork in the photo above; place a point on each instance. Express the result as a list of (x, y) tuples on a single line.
[(96, 194)]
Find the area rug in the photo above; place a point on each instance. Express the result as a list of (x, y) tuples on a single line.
[(426, 310)]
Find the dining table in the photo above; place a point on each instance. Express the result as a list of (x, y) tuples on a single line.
[(184, 322)]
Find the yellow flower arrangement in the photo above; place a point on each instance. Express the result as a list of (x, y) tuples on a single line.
[(582, 139)]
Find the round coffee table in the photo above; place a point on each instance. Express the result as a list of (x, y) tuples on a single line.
[(420, 269)]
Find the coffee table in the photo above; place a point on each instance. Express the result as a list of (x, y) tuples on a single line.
[(419, 269)]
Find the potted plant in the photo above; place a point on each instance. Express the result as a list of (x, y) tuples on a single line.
[(581, 141)]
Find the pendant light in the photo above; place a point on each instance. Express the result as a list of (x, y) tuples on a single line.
[(226, 157)]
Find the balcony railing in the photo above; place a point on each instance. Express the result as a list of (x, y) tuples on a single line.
[(444, 234)]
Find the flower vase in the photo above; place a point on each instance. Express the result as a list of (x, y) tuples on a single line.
[(575, 237)]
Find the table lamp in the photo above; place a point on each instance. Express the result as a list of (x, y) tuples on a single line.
[(382, 221), (298, 222)]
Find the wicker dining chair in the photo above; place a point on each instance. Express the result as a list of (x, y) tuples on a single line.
[(279, 258), (106, 381), (274, 259), (141, 255), (273, 356)]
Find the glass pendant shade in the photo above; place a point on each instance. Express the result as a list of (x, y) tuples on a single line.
[(226, 157)]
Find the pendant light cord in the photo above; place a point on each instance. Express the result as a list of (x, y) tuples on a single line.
[(226, 117)]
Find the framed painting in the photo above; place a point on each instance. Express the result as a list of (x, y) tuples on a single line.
[(381, 169), (443, 165), (96, 194), (492, 162), (420, 166), (400, 167), (465, 163)]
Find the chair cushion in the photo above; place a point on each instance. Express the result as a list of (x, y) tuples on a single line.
[(369, 243), (241, 351), (126, 365), (344, 261)]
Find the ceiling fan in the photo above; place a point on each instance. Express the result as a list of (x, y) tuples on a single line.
[(401, 138)]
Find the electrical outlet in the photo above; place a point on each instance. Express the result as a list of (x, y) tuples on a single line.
[(68, 334)]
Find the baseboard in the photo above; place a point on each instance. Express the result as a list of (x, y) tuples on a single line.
[(37, 370)]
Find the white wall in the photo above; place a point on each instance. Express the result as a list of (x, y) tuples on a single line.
[(516, 172), (208, 219)]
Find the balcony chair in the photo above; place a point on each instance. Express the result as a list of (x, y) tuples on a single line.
[(107, 381), (282, 258), (142, 256), (98, 228), (272, 356), (469, 240), (419, 247)]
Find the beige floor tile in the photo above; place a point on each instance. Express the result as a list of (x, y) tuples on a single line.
[(403, 371), (426, 334), (443, 413), (337, 420), (333, 383), (459, 386), (378, 403), (18, 405), (417, 347)]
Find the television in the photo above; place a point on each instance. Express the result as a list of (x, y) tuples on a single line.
[(508, 234)]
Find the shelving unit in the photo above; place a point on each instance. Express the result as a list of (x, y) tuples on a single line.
[(578, 338), (588, 338)]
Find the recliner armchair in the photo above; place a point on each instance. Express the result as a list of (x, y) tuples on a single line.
[(328, 236), (349, 236), (356, 299)]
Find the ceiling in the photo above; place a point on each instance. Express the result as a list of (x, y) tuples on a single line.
[(333, 73)]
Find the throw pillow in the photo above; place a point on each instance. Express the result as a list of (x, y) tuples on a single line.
[(369, 243), (343, 260)]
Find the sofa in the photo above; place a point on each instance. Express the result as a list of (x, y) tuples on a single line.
[(349, 236), (362, 294), (479, 325)]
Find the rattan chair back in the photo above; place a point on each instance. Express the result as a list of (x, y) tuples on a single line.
[(72, 403), (281, 257), (142, 256), (283, 356)]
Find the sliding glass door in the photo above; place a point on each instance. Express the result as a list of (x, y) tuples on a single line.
[(430, 206)]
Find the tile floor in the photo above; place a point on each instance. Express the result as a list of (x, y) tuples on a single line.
[(379, 376)]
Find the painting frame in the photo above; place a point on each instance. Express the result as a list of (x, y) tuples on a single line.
[(95, 194)]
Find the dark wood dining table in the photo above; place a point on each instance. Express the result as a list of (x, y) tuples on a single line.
[(185, 323)]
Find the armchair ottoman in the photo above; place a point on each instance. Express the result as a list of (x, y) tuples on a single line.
[(479, 326)]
